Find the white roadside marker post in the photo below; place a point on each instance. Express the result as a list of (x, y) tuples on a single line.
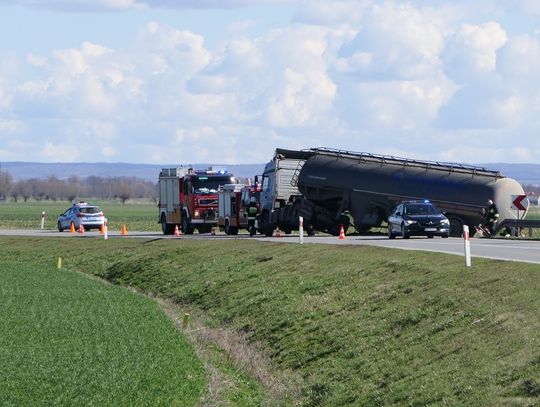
[(301, 229), (42, 219), (467, 244), (105, 229)]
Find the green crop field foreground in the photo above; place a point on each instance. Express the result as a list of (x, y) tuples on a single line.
[(273, 324)]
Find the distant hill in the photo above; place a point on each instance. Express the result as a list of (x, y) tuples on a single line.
[(148, 172), (524, 173)]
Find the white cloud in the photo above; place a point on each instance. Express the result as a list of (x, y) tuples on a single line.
[(304, 97), (519, 61), (472, 51), (395, 42), (422, 79)]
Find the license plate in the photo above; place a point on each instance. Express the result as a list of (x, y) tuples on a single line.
[(430, 229)]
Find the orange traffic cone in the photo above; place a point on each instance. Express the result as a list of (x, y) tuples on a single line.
[(81, 229), (123, 231), (176, 231), (72, 228), (213, 233), (278, 232), (101, 230), (341, 233)]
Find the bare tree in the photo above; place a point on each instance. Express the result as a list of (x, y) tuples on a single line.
[(5, 184)]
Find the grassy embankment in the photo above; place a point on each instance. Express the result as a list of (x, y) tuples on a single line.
[(358, 326)]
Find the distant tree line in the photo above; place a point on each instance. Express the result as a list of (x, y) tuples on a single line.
[(54, 189)]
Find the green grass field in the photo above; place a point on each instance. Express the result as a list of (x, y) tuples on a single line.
[(68, 340), (346, 326)]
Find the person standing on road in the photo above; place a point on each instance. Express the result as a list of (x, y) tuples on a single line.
[(491, 217), (252, 215)]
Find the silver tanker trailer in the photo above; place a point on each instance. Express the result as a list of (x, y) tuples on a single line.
[(327, 185)]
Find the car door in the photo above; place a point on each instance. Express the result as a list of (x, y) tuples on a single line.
[(394, 220), (65, 219)]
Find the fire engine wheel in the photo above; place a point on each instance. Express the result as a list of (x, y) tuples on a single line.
[(230, 230), (167, 228), (187, 229)]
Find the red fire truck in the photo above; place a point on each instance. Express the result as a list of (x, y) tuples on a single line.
[(233, 201), (188, 198)]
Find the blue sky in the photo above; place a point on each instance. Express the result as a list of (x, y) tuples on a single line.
[(228, 81)]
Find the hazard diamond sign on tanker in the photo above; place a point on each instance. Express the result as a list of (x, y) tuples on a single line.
[(520, 202)]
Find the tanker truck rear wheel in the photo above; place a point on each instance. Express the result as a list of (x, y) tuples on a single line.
[(456, 226)]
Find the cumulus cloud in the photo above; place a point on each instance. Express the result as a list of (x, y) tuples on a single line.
[(471, 52), (421, 79), (394, 42)]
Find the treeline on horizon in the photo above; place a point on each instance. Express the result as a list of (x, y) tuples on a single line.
[(55, 189), (121, 187)]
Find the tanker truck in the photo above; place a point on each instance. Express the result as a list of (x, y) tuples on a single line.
[(330, 188)]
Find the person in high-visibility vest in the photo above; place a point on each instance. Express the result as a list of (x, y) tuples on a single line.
[(491, 216), (252, 211)]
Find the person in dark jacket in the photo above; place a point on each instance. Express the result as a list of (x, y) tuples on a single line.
[(491, 217), (252, 210)]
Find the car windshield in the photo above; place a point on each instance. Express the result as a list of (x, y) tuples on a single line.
[(90, 209), (420, 209)]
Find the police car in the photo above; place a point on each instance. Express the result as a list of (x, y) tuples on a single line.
[(417, 218), (81, 214)]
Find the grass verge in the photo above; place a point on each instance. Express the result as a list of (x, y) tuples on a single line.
[(360, 326)]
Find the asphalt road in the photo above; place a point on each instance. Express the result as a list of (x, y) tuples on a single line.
[(501, 249)]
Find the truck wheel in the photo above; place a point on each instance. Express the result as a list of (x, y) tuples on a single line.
[(456, 226), (167, 228), (267, 228), (230, 230), (187, 229)]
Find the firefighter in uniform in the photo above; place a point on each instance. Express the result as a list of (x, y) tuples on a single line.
[(491, 217), (252, 210)]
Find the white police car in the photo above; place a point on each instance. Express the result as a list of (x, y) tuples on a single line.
[(81, 214)]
